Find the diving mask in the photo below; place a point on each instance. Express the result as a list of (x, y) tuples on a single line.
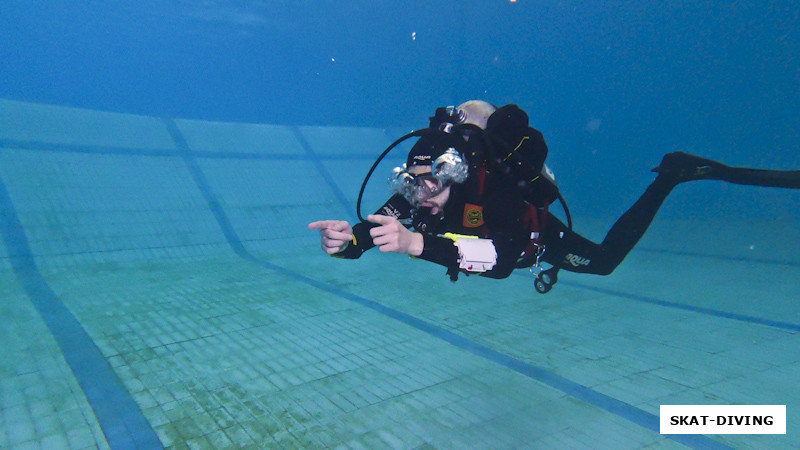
[(447, 169)]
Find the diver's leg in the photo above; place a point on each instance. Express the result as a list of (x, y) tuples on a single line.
[(631, 226), (570, 251)]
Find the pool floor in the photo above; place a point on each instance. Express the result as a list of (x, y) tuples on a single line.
[(183, 317)]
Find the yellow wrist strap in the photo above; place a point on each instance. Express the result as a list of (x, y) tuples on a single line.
[(455, 237)]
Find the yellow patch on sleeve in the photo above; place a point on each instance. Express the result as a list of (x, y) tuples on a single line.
[(473, 216)]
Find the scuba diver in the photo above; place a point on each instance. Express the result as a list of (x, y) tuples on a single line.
[(474, 197)]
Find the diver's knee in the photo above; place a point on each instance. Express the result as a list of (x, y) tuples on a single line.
[(604, 269)]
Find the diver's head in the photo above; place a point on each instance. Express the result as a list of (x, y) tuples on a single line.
[(426, 177), (476, 112), (437, 160), (450, 137), (426, 192), (472, 112)]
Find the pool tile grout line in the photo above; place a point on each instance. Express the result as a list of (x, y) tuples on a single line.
[(612, 405), (765, 261), (695, 309), (203, 185), (156, 152), (309, 156), (88, 149), (324, 172), (118, 415)]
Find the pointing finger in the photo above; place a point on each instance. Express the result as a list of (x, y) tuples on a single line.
[(333, 234), (338, 225), (320, 224)]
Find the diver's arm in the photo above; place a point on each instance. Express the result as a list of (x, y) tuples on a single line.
[(440, 250), (360, 243), (443, 251), (397, 207)]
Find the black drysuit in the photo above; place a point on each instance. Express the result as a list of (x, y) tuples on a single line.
[(506, 222)]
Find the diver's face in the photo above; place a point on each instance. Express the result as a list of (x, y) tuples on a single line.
[(437, 202)]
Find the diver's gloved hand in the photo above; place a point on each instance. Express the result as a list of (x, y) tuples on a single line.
[(336, 235), (391, 236)]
